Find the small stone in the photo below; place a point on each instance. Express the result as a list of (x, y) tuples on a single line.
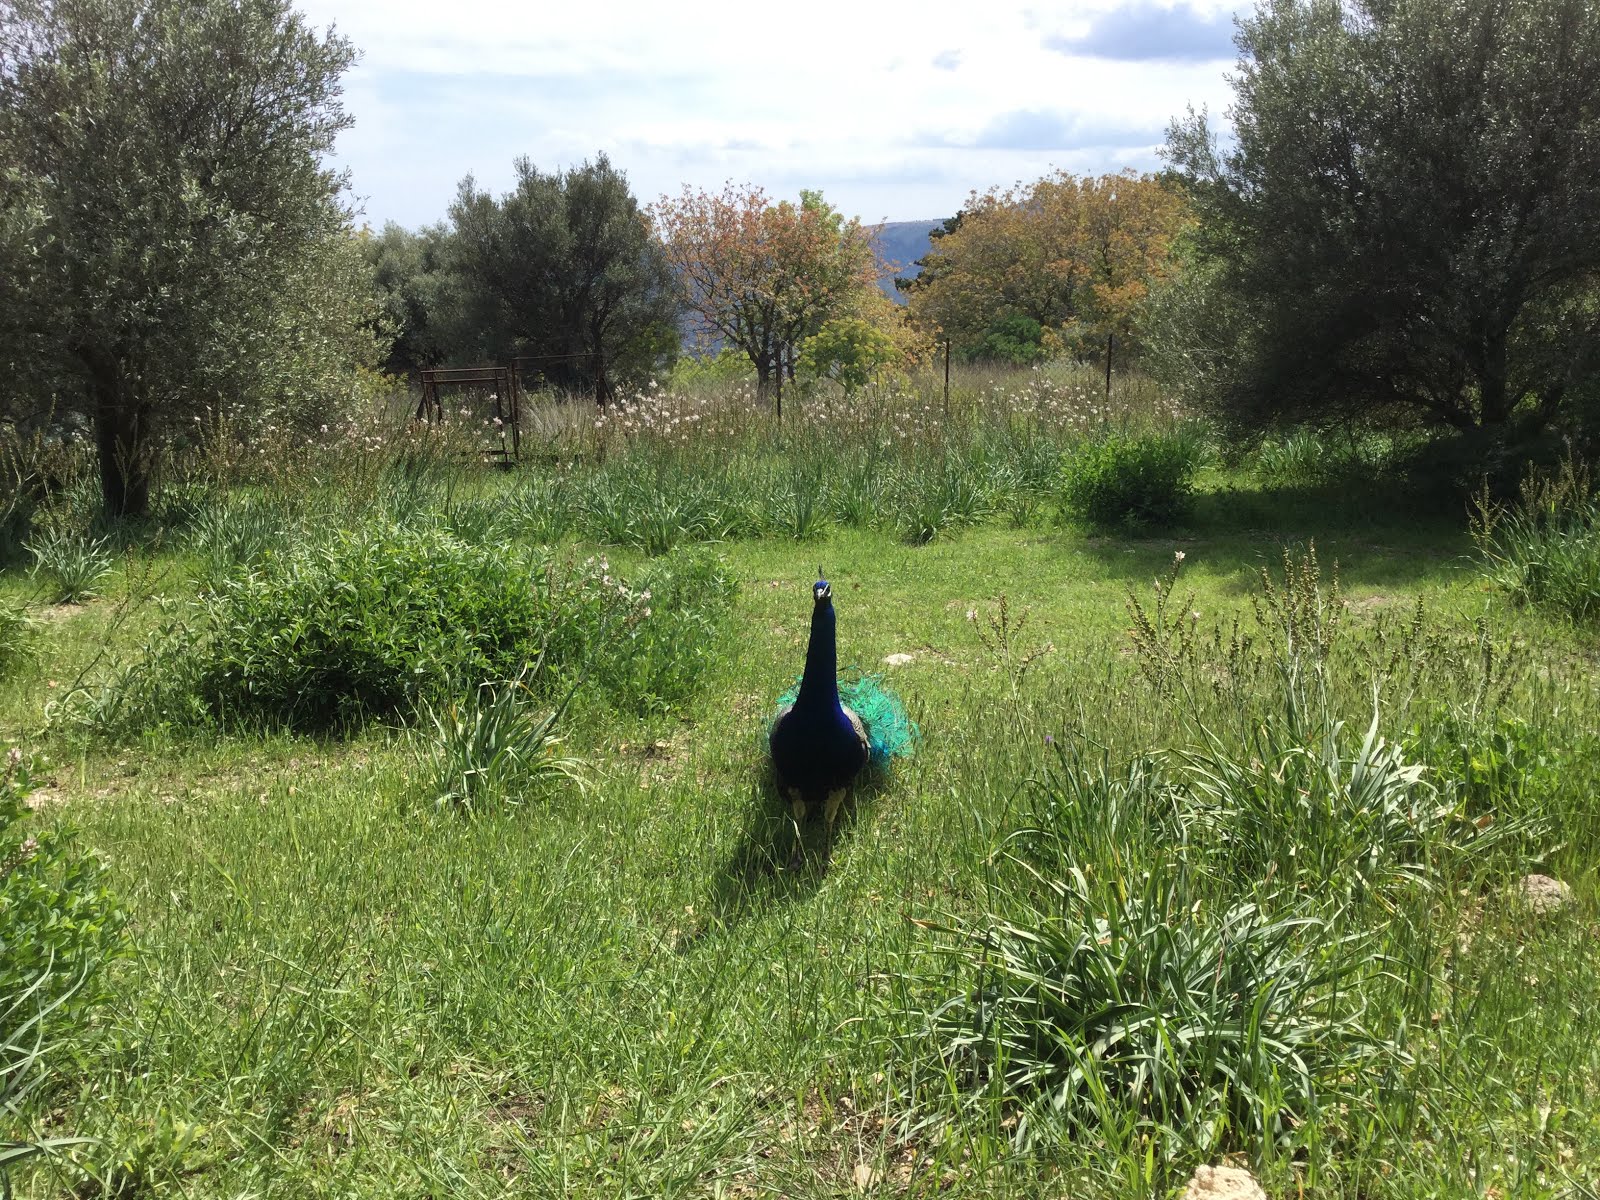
[(899, 660), (1223, 1183), (1543, 894)]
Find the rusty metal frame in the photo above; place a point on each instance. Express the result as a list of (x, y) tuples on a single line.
[(505, 389)]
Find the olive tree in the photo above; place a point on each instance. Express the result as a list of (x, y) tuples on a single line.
[(171, 237), (1405, 225), (564, 268)]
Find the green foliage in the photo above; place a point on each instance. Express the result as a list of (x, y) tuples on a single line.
[(942, 496), (1544, 549), (1322, 813), (362, 625), (233, 533), (73, 563), (654, 510), (16, 632), (59, 928), (1121, 480), (1014, 339), (725, 366), (681, 606), (1372, 232), (420, 300), (850, 351), (325, 634), (490, 747)]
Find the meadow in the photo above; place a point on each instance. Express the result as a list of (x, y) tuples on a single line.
[(441, 856)]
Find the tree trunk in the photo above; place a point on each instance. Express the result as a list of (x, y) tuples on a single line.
[(764, 373), (1492, 397), (121, 432), (602, 383)]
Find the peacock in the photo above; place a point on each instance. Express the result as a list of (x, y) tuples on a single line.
[(826, 734)]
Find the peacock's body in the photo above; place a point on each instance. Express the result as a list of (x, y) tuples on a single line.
[(825, 734)]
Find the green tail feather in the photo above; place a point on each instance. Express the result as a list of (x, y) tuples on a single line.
[(891, 733)]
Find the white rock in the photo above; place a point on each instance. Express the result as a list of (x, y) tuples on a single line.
[(899, 660), (1543, 894), (1223, 1183)]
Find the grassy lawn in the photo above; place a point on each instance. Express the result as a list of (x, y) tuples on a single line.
[(616, 990)]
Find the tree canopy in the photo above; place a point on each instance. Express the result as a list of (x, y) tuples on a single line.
[(1055, 265), (564, 269), (762, 276), (171, 237), (1406, 225)]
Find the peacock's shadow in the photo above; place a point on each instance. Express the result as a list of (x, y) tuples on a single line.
[(761, 873)]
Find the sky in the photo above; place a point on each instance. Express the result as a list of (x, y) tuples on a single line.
[(895, 111)]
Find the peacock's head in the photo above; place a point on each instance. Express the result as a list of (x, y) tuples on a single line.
[(820, 590)]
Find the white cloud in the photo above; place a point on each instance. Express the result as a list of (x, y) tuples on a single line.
[(846, 97)]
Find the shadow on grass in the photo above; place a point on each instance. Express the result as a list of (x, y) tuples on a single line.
[(1380, 534), (757, 876)]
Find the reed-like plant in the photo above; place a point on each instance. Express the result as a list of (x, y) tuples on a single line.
[(493, 747), (1544, 549), (1137, 1005), (72, 564)]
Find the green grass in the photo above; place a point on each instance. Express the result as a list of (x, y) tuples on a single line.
[(341, 991)]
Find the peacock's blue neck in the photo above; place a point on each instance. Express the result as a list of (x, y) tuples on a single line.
[(819, 686)]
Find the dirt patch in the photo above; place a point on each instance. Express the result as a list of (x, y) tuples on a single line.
[(51, 613), (1223, 1183)]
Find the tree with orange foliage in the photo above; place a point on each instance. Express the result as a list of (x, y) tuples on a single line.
[(1078, 256), (761, 276)]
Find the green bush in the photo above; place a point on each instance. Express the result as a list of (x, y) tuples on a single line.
[(363, 625), (378, 622), (660, 653), (1126, 480)]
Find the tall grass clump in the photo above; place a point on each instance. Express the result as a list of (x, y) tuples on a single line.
[(1544, 548), (59, 929), (1146, 1015), (1183, 950), (493, 746), (16, 635), (1125, 480), (72, 564)]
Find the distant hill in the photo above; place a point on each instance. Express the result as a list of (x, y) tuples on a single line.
[(898, 245)]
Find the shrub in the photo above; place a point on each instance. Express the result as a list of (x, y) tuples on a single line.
[(378, 622), (1126, 480), (1015, 339), (681, 605), (363, 624), (59, 927), (851, 351)]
